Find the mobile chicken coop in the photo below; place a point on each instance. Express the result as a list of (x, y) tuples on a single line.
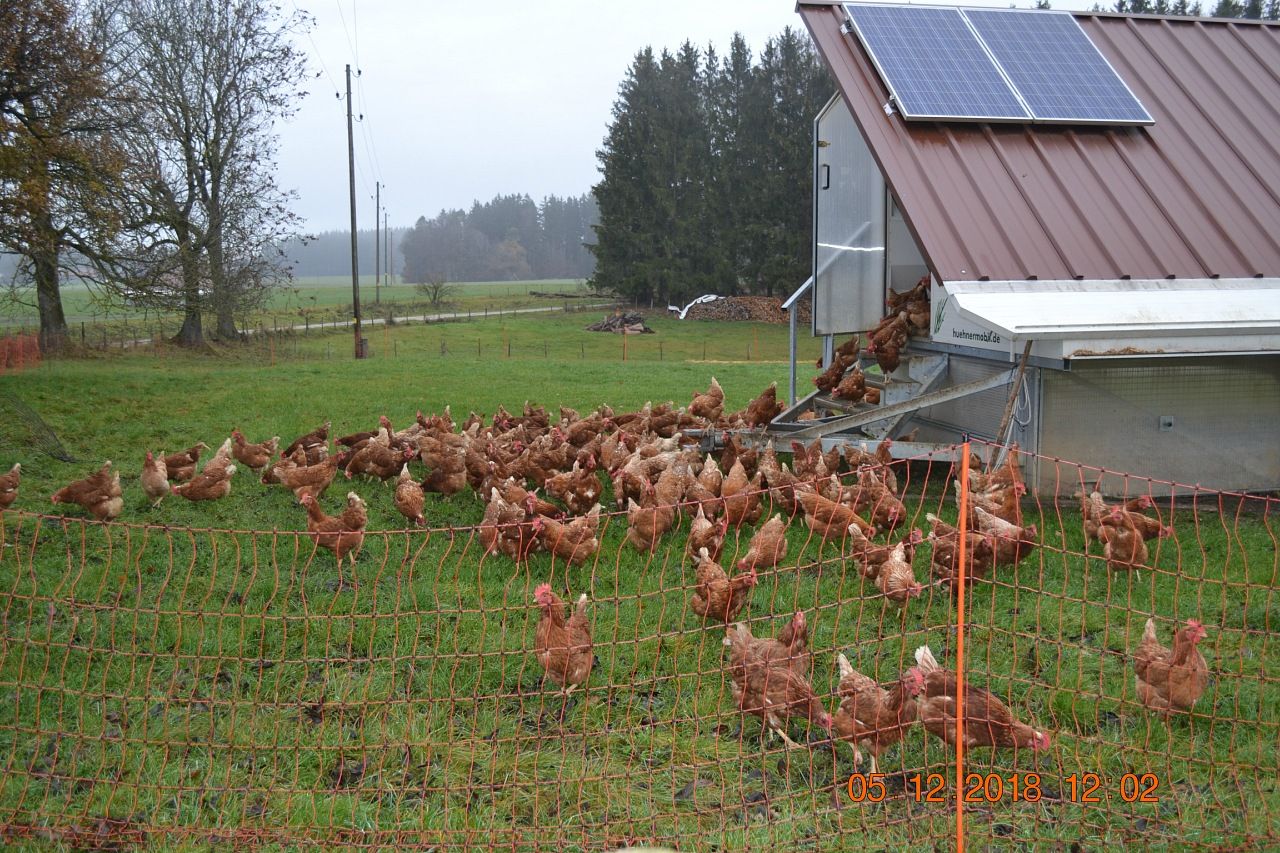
[(1094, 196)]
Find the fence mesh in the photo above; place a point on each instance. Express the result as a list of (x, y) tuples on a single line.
[(166, 685)]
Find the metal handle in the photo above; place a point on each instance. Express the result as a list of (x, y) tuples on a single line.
[(826, 176)]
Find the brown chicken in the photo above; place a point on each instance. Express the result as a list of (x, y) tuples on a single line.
[(318, 437), (872, 717), (379, 461), (1012, 542), (853, 387), (563, 646), (1170, 681), (717, 596), (873, 498), (9, 486), (774, 692), (409, 498), (709, 405), (342, 534), (763, 409), (768, 546), (182, 465), (896, 578), (886, 343), (1124, 547), (868, 556), (829, 379), (647, 522), (706, 534), (311, 480), (979, 558), (705, 490), (255, 457), (506, 528), (987, 720), (578, 488), (154, 478), (829, 519), (1094, 508), (574, 542), (741, 496), (99, 493), (211, 484)]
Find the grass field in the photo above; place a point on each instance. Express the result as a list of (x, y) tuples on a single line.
[(172, 675)]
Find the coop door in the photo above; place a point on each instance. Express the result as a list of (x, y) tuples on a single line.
[(848, 226)]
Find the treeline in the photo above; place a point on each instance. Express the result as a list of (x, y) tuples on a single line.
[(509, 238), (329, 252), (1256, 9), (707, 171)]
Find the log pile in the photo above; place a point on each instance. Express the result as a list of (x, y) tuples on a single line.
[(623, 323), (760, 309)]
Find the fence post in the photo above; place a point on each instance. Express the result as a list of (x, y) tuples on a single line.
[(82, 333), (963, 524), (624, 344)]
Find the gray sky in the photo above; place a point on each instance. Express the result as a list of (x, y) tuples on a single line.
[(464, 101)]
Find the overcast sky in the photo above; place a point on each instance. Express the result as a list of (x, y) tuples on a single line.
[(464, 101)]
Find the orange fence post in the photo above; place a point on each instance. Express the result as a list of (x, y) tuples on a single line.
[(963, 526)]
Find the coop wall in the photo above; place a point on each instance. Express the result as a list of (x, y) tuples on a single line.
[(1207, 421)]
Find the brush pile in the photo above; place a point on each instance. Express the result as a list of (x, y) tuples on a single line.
[(623, 323)]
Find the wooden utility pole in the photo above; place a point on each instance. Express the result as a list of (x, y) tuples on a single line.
[(386, 253), (355, 252), (377, 243)]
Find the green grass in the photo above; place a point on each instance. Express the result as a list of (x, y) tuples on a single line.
[(212, 684)]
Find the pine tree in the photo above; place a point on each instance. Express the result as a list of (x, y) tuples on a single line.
[(1227, 9), (1252, 9), (1273, 10)]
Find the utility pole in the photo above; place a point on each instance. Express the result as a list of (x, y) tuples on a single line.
[(355, 252), (377, 243), (386, 235)]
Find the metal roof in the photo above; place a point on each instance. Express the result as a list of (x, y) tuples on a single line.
[(1196, 195)]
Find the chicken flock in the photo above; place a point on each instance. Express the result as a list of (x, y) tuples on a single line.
[(543, 486)]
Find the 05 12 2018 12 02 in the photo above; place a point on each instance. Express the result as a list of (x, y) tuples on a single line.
[(1080, 787)]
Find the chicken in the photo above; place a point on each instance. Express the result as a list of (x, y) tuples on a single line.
[(311, 480), (182, 466), (216, 467), (154, 478), (342, 534), (768, 546), (734, 451), (741, 496), (99, 493), (781, 482), (829, 519), (378, 460), (409, 498), (1170, 681), (647, 522), (1124, 546), (507, 528), (886, 510), (827, 380), (578, 488), (987, 720), (763, 409), (896, 578), (772, 691), (563, 646), (1093, 509), (895, 301), (980, 552), (1001, 501), (574, 542), (717, 596), (318, 437), (853, 387), (870, 716), (1012, 543), (709, 405), (705, 490), (272, 474), (705, 534), (211, 484), (9, 486), (868, 555), (255, 457)]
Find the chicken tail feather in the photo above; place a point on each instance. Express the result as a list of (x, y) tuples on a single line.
[(928, 663)]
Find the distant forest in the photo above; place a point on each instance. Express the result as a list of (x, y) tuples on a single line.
[(510, 238)]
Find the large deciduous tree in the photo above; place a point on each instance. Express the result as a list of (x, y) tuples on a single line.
[(59, 167), (210, 79)]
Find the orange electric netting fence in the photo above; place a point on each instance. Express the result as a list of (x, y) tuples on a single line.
[(18, 352), (164, 686)]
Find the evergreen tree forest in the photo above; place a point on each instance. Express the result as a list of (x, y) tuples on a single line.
[(706, 172)]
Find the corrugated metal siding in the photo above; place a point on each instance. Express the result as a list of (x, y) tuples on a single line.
[(1195, 195), (1225, 412)]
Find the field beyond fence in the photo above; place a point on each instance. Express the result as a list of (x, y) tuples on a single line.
[(170, 685)]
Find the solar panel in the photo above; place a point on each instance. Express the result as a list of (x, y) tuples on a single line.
[(992, 65), (934, 65), (1056, 68)]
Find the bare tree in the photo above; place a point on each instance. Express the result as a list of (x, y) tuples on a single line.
[(210, 79), (436, 289)]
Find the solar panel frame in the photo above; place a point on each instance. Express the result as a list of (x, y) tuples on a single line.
[(1127, 109), (887, 63), (1029, 64)]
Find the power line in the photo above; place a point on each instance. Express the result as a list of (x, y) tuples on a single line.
[(355, 53)]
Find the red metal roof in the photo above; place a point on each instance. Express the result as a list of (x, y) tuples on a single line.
[(1196, 195)]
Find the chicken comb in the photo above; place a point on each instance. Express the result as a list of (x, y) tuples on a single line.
[(542, 590)]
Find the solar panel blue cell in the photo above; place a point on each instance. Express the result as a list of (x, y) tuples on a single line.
[(1056, 69), (934, 65)]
